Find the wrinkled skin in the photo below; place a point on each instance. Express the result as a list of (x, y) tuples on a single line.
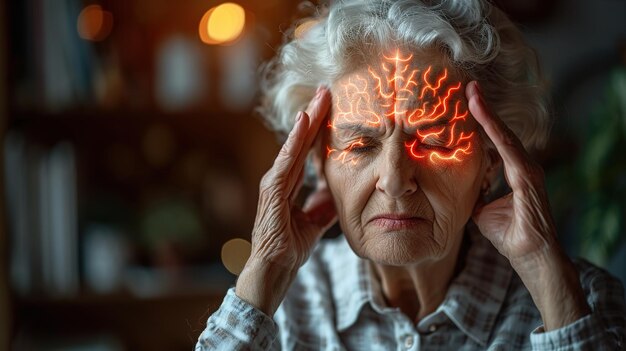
[(436, 199), (380, 177)]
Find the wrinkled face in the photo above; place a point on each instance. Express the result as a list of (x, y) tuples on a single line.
[(403, 159)]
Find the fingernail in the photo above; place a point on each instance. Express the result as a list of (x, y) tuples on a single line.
[(319, 89), (298, 116), (478, 87)]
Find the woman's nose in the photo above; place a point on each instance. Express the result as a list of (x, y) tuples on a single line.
[(396, 173)]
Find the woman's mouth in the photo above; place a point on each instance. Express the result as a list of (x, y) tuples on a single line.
[(396, 221)]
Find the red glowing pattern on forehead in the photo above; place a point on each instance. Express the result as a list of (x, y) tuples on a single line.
[(389, 92)]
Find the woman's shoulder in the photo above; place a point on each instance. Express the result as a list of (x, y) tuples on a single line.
[(519, 315), (315, 275), (306, 317), (330, 246), (328, 255), (590, 272), (601, 288), (320, 280), (597, 283)]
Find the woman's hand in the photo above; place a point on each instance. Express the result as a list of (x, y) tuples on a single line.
[(519, 224), (284, 234), (521, 227)]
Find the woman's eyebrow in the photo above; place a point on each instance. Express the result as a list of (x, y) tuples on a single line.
[(347, 129), (433, 124), (357, 128)]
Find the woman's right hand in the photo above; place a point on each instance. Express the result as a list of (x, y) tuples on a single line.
[(284, 234)]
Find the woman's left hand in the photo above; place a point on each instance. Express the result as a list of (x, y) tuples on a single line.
[(518, 224), (521, 227)]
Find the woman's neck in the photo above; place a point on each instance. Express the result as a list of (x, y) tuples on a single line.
[(418, 289)]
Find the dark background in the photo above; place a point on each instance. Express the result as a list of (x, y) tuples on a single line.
[(132, 155)]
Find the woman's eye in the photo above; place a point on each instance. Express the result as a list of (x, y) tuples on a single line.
[(437, 142), (436, 139), (360, 146), (436, 147)]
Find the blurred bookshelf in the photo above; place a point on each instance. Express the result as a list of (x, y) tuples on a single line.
[(131, 158), (5, 306)]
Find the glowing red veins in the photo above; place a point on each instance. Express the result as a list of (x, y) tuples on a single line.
[(392, 92)]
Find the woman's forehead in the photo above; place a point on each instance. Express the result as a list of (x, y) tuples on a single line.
[(402, 87)]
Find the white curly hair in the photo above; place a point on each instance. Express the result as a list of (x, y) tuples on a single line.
[(477, 38)]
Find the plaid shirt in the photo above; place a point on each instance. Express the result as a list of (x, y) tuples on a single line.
[(335, 303)]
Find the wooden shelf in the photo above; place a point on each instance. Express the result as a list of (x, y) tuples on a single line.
[(167, 323), (203, 127)]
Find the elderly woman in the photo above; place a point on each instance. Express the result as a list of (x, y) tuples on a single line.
[(415, 110)]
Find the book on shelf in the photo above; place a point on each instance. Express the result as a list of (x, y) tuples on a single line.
[(42, 217), (57, 67)]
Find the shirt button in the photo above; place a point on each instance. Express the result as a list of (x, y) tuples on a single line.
[(408, 342), (432, 328)]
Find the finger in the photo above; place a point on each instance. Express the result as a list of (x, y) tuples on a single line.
[(494, 218), (502, 204), (508, 145), (288, 154), (317, 111)]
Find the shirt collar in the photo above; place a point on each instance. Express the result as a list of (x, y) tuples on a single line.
[(476, 295), (472, 302)]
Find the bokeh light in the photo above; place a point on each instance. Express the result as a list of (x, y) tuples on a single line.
[(235, 253), (94, 23), (222, 24)]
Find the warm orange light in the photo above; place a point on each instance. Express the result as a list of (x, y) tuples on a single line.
[(436, 126), (235, 253), (222, 24), (94, 23)]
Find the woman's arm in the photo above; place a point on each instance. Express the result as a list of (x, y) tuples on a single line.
[(554, 284), (282, 240), (521, 227), (604, 328), (285, 234), (237, 325)]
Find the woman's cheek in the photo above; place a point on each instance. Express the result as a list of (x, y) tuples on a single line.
[(451, 188), (337, 183), (351, 187)]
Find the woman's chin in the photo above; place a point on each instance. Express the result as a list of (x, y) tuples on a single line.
[(399, 246)]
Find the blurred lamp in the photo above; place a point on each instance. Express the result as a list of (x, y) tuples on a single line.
[(94, 24), (222, 24)]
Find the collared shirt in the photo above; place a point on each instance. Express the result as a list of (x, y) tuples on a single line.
[(336, 303)]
